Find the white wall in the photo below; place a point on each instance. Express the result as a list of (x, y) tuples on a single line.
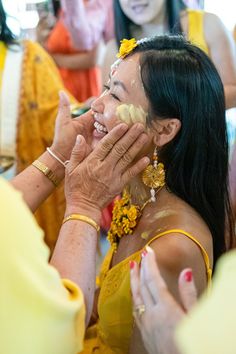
[(225, 9)]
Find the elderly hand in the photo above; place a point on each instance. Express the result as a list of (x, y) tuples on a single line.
[(92, 182), (156, 312), (67, 129)]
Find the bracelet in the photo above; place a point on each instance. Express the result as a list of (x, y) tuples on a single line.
[(46, 171), (57, 158), (82, 218)]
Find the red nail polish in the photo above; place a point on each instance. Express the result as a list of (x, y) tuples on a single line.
[(188, 276), (144, 253), (131, 264)]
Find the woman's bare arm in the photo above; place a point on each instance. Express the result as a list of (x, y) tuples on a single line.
[(223, 55)]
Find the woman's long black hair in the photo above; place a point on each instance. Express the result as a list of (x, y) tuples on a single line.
[(123, 23), (180, 81), (6, 35)]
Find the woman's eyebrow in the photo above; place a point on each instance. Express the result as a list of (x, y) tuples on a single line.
[(121, 84)]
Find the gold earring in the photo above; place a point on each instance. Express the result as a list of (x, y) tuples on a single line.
[(154, 176)]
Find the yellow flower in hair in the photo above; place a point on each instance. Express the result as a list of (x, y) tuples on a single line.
[(126, 47)]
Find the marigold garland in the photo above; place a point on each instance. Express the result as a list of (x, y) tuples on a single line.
[(125, 217)]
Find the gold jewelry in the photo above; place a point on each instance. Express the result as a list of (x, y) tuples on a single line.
[(154, 175), (82, 218), (46, 171), (125, 217), (139, 310)]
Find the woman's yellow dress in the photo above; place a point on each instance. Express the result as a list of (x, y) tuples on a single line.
[(112, 332)]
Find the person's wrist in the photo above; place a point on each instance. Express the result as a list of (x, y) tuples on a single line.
[(63, 155), (84, 208), (53, 165)]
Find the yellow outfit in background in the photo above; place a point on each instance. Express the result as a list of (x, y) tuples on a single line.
[(39, 313), (196, 29), (113, 331), (40, 84), (210, 327)]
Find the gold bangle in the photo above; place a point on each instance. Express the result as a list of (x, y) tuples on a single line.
[(46, 171), (82, 218)]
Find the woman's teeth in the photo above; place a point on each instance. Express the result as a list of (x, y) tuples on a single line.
[(100, 128)]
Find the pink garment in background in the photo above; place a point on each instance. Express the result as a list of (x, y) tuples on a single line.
[(88, 21)]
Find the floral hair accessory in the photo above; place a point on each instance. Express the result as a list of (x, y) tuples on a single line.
[(126, 47)]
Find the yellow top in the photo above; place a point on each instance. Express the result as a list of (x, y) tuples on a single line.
[(38, 314), (113, 331), (3, 52), (196, 29), (210, 327)]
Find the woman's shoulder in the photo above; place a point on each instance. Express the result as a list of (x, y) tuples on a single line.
[(182, 233), (213, 27)]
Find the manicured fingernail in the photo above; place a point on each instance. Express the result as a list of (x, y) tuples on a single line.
[(188, 276), (144, 253), (131, 264), (78, 139)]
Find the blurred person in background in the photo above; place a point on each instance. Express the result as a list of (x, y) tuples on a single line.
[(77, 50), (157, 17), (88, 21), (29, 88)]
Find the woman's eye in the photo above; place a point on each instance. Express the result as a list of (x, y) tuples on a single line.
[(106, 87)]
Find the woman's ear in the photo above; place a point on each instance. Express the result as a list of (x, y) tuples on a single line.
[(166, 130)]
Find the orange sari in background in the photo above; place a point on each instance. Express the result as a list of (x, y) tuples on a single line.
[(82, 83)]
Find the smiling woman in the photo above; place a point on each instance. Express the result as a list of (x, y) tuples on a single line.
[(172, 205), (124, 86)]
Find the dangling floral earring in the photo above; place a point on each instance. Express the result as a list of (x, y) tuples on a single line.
[(154, 176)]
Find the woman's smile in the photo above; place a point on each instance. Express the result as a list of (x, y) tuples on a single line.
[(139, 8), (100, 130)]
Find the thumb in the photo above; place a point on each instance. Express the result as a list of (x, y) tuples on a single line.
[(79, 152), (187, 289), (64, 108)]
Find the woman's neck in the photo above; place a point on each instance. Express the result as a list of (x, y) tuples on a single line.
[(138, 191)]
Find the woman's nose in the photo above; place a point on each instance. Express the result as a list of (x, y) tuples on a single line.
[(98, 104)]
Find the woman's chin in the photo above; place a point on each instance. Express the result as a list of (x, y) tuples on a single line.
[(97, 136)]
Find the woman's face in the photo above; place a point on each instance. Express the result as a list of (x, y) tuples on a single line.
[(123, 100), (141, 11)]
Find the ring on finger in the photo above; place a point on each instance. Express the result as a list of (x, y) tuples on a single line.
[(139, 310)]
